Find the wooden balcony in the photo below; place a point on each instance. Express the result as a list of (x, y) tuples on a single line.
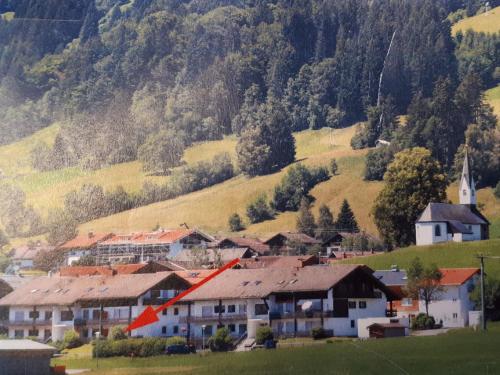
[(276, 315), (213, 318), (27, 322)]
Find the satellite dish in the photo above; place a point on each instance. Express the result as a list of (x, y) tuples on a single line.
[(307, 305)]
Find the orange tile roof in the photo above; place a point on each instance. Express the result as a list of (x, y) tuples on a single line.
[(166, 236), (457, 276), (85, 241), (194, 276), (122, 269)]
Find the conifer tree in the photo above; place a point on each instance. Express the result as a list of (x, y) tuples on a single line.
[(305, 219), (346, 221), (326, 225)]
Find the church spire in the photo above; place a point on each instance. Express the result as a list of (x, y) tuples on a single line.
[(467, 189)]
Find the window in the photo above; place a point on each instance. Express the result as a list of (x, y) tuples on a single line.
[(206, 311), (260, 309), (231, 308), (47, 333), (48, 315), (231, 327), (66, 316), (437, 230), (362, 304), (164, 312), (222, 309), (207, 330), (33, 332), (176, 330), (340, 308), (406, 302), (19, 333), (19, 316), (242, 328), (34, 315), (176, 311), (242, 309), (455, 316), (163, 330), (352, 304), (353, 323), (86, 314)]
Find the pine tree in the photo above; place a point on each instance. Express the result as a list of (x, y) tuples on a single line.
[(235, 223), (333, 166), (305, 219), (346, 220), (326, 225)]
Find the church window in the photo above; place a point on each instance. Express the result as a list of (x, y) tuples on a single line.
[(437, 230)]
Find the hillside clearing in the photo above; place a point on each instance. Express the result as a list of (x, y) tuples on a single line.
[(492, 96), (488, 22)]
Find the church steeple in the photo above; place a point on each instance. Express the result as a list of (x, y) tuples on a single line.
[(467, 188)]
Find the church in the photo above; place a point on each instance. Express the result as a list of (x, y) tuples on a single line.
[(441, 222)]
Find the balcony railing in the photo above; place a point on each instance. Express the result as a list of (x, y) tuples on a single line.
[(95, 322), (26, 322), (276, 315), (213, 318)]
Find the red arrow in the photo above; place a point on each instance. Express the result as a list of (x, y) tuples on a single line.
[(150, 315)]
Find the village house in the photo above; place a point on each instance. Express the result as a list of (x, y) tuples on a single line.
[(22, 257), (49, 306), (284, 242), (292, 301), (451, 308), (442, 222), (114, 269), (254, 245), (210, 258), (82, 245), (159, 245), (274, 261)]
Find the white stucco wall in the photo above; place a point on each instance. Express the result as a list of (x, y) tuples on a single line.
[(424, 232)]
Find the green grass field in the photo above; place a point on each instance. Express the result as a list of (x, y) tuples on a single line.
[(488, 22), (444, 255), (457, 352)]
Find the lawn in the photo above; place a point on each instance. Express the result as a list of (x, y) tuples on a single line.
[(493, 98), (444, 255), (488, 22), (453, 353)]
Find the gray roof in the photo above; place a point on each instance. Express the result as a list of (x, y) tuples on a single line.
[(391, 278), (24, 345), (450, 212), (15, 281)]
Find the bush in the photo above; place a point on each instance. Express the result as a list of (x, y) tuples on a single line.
[(334, 167), (145, 347), (497, 190), (376, 163), (102, 348), (221, 341), (423, 321), (263, 334), (235, 223), (175, 340), (117, 333), (259, 210), (318, 333), (71, 339), (152, 346)]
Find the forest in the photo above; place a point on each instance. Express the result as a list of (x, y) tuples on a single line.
[(129, 78)]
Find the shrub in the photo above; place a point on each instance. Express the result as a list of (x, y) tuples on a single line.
[(263, 334), (318, 333), (175, 340), (145, 347), (235, 223), (377, 161), (423, 321), (333, 166), (259, 210), (71, 339), (117, 333), (221, 341), (152, 346), (497, 190), (102, 348)]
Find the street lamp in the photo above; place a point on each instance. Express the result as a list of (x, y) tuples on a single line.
[(203, 336), (98, 338)]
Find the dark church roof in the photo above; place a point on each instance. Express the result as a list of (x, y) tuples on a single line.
[(458, 214)]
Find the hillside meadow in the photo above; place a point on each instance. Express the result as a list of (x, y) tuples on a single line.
[(487, 22)]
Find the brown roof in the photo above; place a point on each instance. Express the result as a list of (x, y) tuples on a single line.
[(279, 261), (76, 271), (259, 283), (295, 236), (30, 251), (194, 276), (162, 236), (60, 290), (227, 255), (386, 325), (85, 241), (251, 243)]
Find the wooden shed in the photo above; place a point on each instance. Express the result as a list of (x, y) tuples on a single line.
[(383, 330), (21, 357)]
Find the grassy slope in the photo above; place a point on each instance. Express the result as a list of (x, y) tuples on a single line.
[(488, 22), (444, 255), (452, 353), (210, 208), (493, 97)]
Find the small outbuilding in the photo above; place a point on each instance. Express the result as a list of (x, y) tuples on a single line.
[(21, 357), (383, 330)]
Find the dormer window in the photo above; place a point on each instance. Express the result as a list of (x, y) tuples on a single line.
[(437, 231)]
